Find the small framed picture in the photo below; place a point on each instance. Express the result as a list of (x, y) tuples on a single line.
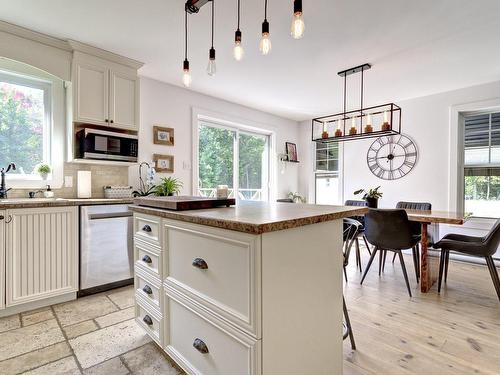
[(163, 136), (291, 151), (164, 163)]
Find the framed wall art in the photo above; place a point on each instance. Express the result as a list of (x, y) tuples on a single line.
[(164, 163), (163, 136)]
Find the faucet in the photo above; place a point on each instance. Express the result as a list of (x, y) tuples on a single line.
[(3, 171)]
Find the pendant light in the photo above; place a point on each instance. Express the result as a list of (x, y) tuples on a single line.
[(186, 75), (238, 51), (298, 25), (265, 43), (211, 68)]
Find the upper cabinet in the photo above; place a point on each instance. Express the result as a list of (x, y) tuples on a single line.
[(105, 91)]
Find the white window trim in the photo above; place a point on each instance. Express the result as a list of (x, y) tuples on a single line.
[(232, 122), (55, 112), (340, 172), (456, 146)]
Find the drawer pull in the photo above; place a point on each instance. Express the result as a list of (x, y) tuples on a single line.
[(199, 345), (147, 289), (200, 263), (147, 259), (147, 319), (146, 228)]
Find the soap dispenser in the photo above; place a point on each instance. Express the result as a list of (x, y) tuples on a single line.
[(48, 193)]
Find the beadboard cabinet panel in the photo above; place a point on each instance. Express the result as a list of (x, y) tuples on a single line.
[(2, 260), (41, 253)]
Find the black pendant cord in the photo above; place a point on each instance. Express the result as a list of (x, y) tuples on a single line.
[(362, 86), (265, 10), (345, 98), (186, 36), (213, 6), (238, 15)]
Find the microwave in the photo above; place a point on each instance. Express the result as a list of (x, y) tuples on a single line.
[(105, 145)]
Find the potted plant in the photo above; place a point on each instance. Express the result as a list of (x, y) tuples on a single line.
[(43, 170), (147, 187), (296, 197), (371, 196), (168, 186)]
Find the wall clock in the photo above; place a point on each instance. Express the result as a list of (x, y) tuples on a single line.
[(392, 157)]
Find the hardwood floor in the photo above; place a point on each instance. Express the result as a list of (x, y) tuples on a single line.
[(457, 332)]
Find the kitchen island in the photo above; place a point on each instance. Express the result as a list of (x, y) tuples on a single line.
[(251, 289)]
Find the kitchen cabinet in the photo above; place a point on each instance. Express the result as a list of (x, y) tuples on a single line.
[(41, 253), (104, 93)]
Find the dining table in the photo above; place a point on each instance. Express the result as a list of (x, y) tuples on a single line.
[(429, 221)]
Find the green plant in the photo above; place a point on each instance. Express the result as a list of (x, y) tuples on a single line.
[(144, 192), (296, 197), (43, 168), (168, 186), (372, 193)]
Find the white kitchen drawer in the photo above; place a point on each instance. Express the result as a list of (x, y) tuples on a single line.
[(230, 351), (149, 319), (217, 268), (147, 228), (148, 258), (148, 287)]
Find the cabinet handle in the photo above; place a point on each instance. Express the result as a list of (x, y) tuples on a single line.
[(2, 217), (106, 120), (147, 289), (9, 219), (147, 319), (147, 259), (199, 345), (200, 263), (111, 121), (147, 228)]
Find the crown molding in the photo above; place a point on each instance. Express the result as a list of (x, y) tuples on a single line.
[(35, 36), (85, 48)]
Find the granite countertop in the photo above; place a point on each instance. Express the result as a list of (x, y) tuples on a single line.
[(258, 217), (58, 202)]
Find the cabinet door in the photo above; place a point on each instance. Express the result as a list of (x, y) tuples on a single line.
[(41, 253), (123, 100), (91, 93), (2, 259)]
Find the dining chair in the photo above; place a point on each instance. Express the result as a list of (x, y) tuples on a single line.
[(483, 247), (347, 328), (361, 219), (389, 230), (350, 234), (416, 229)]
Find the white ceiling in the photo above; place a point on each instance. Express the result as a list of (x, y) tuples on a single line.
[(416, 47)]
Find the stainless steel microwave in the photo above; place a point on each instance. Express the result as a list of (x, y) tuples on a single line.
[(105, 145)]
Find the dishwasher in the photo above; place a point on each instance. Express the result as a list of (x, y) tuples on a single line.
[(106, 248)]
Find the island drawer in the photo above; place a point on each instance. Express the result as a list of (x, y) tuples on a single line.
[(148, 287), (147, 228), (217, 268), (148, 258), (149, 319), (203, 346)]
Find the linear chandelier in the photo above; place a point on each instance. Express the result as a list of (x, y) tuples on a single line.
[(265, 46), (360, 123)]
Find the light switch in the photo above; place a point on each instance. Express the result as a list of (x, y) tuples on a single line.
[(186, 165), (68, 181)]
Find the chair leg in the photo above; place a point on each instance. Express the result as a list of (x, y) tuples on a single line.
[(383, 261), (366, 243), (349, 327), (345, 274), (415, 262), (441, 267), (374, 252), (447, 260), (358, 254), (394, 257), (404, 271), (380, 257), (494, 274)]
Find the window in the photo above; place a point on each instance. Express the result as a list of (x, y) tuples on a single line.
[(25, 124), (327, 181), (482, 165), (233, 157)]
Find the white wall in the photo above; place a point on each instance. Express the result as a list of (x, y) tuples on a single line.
[(427, 121), (171, 106)]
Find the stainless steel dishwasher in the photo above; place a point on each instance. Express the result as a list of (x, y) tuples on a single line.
[(106, 250)]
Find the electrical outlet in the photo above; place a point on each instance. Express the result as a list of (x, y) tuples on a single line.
[(68, 181)]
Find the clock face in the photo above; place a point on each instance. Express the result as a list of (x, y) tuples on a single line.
[(392, 157)]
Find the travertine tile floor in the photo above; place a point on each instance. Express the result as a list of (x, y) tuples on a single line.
[(92, 335)]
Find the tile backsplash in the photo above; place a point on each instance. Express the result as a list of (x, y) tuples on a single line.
[(102, 175)]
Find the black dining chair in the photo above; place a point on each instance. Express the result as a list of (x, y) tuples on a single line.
[(347, 328), (416, 229), (483, 247), (350, 235), (361, 233), (389, 230)]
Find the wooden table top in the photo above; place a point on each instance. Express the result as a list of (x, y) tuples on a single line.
[(440, 217)]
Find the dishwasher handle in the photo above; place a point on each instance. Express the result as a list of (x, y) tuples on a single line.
[(110, 215)]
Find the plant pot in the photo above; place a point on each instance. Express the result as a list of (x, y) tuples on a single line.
[(170, 194), (43, 175), (372, 202)]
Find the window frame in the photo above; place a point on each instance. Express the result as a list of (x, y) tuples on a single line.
[(323, 173)]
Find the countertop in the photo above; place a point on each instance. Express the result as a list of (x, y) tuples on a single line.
[(58, 202), (258, 217)]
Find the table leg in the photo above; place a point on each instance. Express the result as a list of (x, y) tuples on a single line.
[(427, 269)]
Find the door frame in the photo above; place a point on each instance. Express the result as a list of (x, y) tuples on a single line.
[(239, 125)]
